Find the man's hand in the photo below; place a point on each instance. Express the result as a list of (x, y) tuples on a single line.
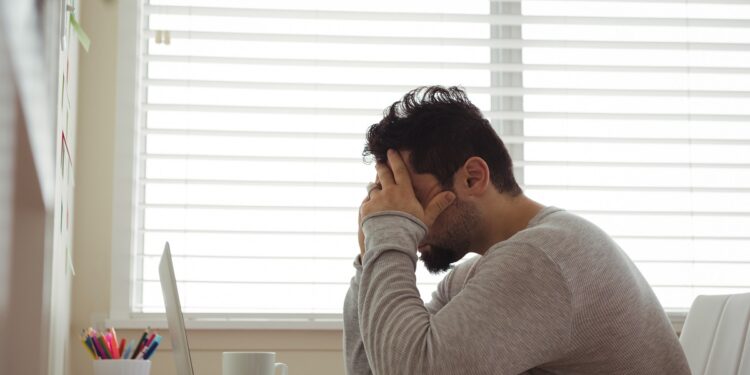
[(397, 194), (360, 234)]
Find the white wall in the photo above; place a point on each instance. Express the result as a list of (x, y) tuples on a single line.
[(34, 290), (306, 352)]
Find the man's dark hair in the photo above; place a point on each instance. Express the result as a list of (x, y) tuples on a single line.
[(442, 129)]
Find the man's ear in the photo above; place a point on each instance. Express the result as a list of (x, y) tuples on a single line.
[(475, 176)]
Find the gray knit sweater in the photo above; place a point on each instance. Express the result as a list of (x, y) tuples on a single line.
[(559, 297)]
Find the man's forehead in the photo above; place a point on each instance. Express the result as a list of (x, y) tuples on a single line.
[(406, 157), (424, 184), (418, 180)]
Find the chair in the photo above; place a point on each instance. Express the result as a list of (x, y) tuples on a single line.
[(715, 335)]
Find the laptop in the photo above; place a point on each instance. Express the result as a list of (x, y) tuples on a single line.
[(175, 320)]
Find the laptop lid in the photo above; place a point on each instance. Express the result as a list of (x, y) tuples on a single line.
[(175, 320)]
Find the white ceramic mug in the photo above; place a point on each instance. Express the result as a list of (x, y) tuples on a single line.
[(121, 367), (251, 363)]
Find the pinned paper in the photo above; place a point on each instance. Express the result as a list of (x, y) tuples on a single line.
[(62, 91), (82, 37), (71, 269)]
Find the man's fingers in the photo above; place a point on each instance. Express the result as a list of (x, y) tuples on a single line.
[(400, 172), (372, 186), (437, 205), (385, 176)]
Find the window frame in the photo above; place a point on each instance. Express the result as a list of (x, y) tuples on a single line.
[(124, 181), (123, 267)]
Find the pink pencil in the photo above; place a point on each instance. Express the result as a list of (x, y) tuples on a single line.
[(150, 339)]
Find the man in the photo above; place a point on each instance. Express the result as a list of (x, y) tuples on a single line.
[(550, 294)]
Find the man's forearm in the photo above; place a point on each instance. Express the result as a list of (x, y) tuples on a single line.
[(387, 283), (355, 356)]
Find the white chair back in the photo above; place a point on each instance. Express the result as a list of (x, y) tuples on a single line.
[(715, 335)]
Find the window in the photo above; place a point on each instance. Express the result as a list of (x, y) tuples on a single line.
[(243, 145), (639, 122)]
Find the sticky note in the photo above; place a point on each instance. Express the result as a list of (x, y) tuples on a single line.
[(82, 37)]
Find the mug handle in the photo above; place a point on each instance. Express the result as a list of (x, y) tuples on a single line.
[(283, 367)]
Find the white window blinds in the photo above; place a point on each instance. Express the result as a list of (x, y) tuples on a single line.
[(632, 114), (253, 131), (639, 121)]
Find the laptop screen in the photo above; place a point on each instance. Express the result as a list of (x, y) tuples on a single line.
[(175, 319)]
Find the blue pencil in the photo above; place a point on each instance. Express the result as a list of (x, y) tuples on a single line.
[(152, 348), (128, 348)]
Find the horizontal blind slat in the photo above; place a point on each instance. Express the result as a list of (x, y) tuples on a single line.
[(349, 258), (516, 163), (498, 115), (506, 139), (298, 159), (300, 283), (351, 233), (684, 2), (305, 283), (463, 42), (692, 189), (268, 257), (445, 65), (496, 91), (195, 206), (505, 20), (250, 183), (240, 231), (525, 186), (716, 2)]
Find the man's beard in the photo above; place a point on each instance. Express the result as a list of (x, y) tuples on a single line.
[(439, 259), (455, 237)]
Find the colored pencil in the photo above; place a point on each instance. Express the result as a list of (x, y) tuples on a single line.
[(87, 344), (152, 348), (139, 347), (128, 349), (105, 348)]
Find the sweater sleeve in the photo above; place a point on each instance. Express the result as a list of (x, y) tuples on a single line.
[(355, 357), (512, 315), (450, 285)]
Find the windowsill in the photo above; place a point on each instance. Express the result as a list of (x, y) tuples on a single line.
[(232, 322), (284, 322)]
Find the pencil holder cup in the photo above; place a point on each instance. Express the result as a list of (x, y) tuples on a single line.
[(122, 367)]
